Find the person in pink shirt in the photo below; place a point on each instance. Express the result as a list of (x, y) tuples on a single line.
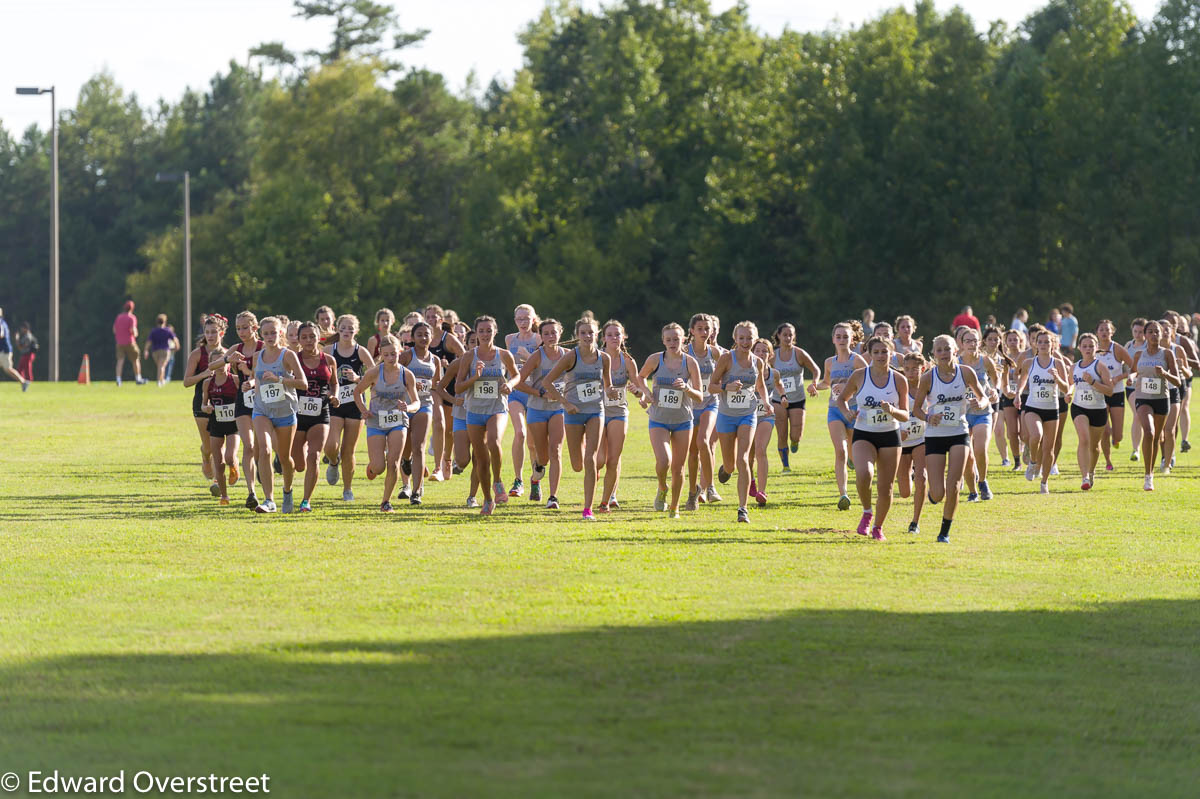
[(125, 332), (965, 317)]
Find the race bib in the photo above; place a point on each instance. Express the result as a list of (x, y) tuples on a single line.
[(670, 398), (308, 406), (969, 395), (788, 383), (916, 428), (1084, 394), (949, 414), (487, 389), (390, 419), (617, 401), (1044, 394), (346, 394), (224, 413), (741, 400), (588, 392), (877, 416), (1152, 385), (424, 386), (835, 391), (270, 392), (248, 396)]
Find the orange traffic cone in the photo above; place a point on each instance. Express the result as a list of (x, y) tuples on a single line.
[(85, 371)]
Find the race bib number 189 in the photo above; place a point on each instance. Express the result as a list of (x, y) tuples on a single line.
[(670, 398)]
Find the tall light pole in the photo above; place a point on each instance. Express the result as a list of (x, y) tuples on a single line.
[(175, 177), (53, 224)]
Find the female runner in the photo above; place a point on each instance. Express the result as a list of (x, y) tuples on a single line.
[(588, 382), (910, 474), (487, 377), (946, 441), (545, 416), (277, 376), (738, 379), (675, 390), (521, 344), (905, 343), (1189, 362), (1155, 371), (384, 319), (759, 466), (1167, 342), (326, 332), (393, 398), (246, 325), (704, 416), (979, 424), (791, 361), (1047, 380), (882, 399), (1092, 384), (196, 372), (1117, 361), (447, 348), (345, 420), (312, 408), (462, 437), (220, 393), (1014, 345), (427, 371), (838, 369), (623, 371), (1137, 344), (994, 352)]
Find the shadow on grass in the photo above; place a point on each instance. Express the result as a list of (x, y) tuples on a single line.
[(1100, 702)]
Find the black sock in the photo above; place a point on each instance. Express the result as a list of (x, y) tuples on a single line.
[(946, 526)]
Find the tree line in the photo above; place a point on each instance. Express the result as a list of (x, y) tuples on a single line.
[(649, 160)]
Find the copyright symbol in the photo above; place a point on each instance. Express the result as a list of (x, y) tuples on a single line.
[(10, 781)]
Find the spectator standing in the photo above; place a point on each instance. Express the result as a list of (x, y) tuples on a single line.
[(171, 358), (1018, 321), (125, 333), (965, 317), (1069, 326), (1052, 321), (6, 354), (27, 348), (160, 344)]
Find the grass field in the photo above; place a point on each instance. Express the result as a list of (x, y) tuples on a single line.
[(1053, 649)]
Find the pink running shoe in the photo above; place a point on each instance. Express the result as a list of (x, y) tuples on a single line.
[(1087, 486), (588, 516), (864, 524), (487, 508), (760, 498), (877, 533), (754, 488), (501, 492)]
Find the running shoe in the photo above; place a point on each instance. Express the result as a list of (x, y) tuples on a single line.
[(1030, 472), (1086, 485), (1149, 484), (690, 505), (743, 516), (1045, 489), (487, 508), (403, 493), (1184, 446), (701, 497), (287, 502), (1005, 462), (214, 489), (118, 382), (1165, 468), (1172, 461), (406, 465), (251, 501), (786, 470), (602, 507), (1134, 456), (613, 504), (518, 488), (943, 538), (711, 495), (347, 496), (795, 446), (753, 486), (416, 498), (539, 471), (552, 503), (276, 465), (844, 503), (233, 473), (723, 475), (1016, 465), (588, 516), (385, 507), (331, 474), (223, 501), (985, 491), (436, 476), (914, 528), (1054, 470), (877, 533), (456, 469), (472, 502), (370, 474), (864, 524), (535, 492), (1116, 445), (305, 506), (498, 490), (674, 514), (761, 499), (1025, 453), (266, 506), (660, 500), (25, 387), (1108, 467), (141, 381), (972, 497)]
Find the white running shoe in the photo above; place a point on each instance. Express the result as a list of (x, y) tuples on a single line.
[(1045, 489), (1054, 470), (1149, 484), (1030, 471)]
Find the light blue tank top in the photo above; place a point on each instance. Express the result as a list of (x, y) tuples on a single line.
[(388, 396), (536, 379), (484, 395), (839, 373), (423, 371), (747, 373), (585, 387), (287, 403), (671, 405)]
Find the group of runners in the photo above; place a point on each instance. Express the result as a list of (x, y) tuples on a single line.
[(436, 395)]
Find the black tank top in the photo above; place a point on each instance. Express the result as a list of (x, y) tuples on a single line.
[(353, 361), (440, 350)]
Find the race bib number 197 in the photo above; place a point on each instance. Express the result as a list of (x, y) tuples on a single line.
[(271, 392)]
